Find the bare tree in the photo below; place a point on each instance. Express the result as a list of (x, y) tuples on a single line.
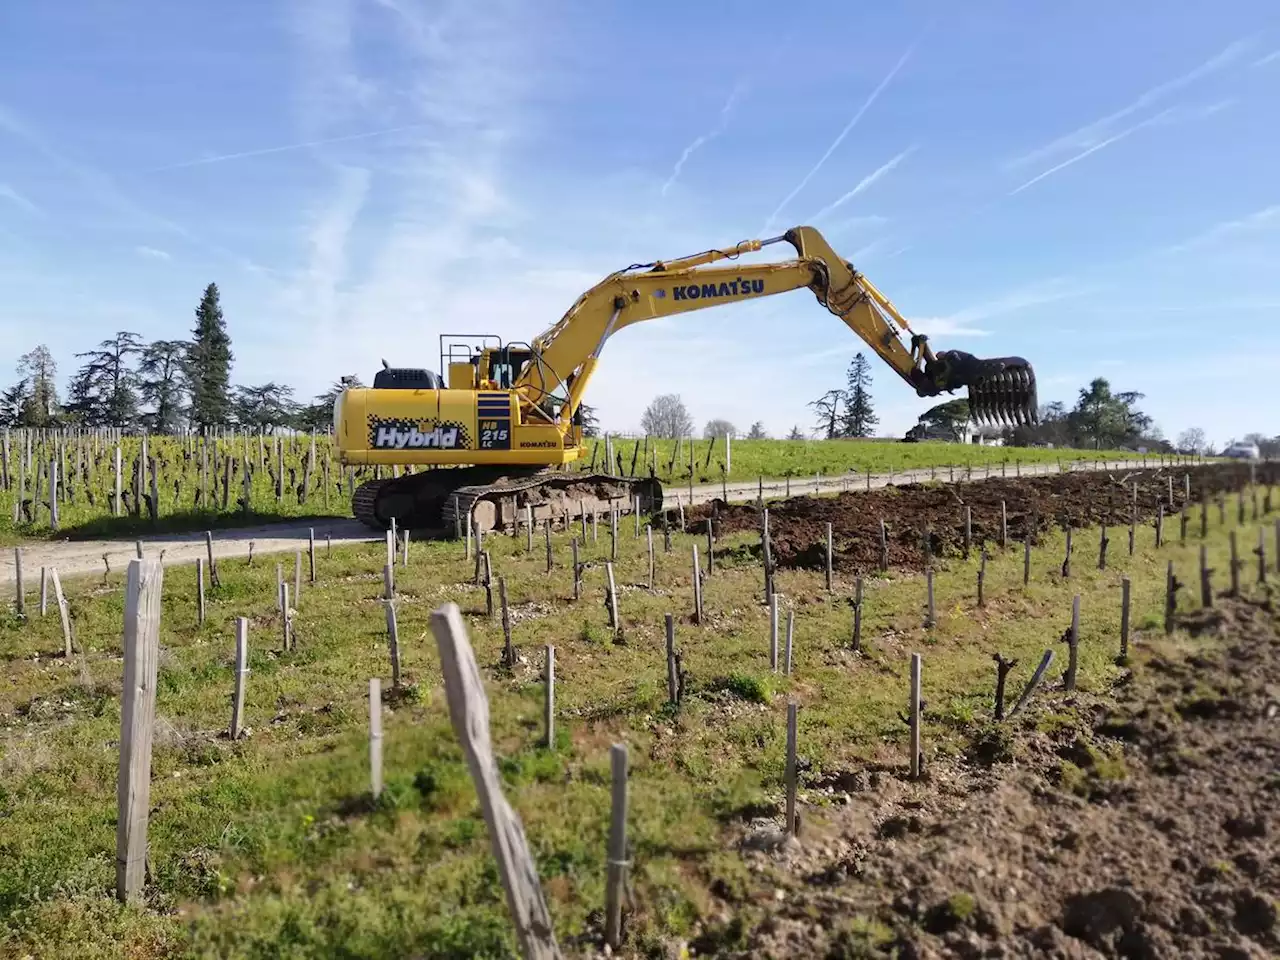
[(828, 409), (757, 431), (666, 417), (719, 428), (1192, 440)]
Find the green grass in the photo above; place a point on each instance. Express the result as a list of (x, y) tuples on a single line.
[(268, 846), (803, 458)]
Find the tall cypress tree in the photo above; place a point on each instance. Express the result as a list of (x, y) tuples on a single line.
[(209, 364)]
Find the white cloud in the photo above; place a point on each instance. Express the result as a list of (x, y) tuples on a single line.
[(945, 327), (13, 196), (151, 253)]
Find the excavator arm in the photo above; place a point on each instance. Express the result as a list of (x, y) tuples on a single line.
[(564, 357)]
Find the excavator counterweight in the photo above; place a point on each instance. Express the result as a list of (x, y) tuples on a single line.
[(500, 426)]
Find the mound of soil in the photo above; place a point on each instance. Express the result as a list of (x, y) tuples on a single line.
[(914, 512), (1147, 826)]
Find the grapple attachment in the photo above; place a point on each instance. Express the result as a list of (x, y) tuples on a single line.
[(1001, 390), (1005, 393)]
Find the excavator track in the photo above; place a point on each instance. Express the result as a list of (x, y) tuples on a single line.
[(438, 501)]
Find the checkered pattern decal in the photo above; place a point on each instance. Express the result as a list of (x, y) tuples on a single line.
[(413, 434)]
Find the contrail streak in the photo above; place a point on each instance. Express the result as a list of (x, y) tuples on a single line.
[(204, 161), (846, 131), (1093, 149), (864, 183), (699, 141)]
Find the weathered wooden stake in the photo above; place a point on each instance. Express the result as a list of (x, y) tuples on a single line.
[(917, 757), (19, 593), (546, 536), (884, 546), (200, 601), (393, 641), (612, 600), (508, 651), (791, 769), (549, 701), (968, 530), (857, 615), (1235, 566), (618, 863), (577, 570), (469, 714), (241, 677), (1206, 582), (1103, 543), (930, 619), (1032, 684), (213, 564), (829, 570), (1066, 560), (1026, 561), (697, 587), (982, 577), (1160, 525), (1262, 555), (137, 722), (648, 535), (1171, 587), (1124, 619)]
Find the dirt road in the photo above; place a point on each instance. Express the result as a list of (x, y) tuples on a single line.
[(72, 558)]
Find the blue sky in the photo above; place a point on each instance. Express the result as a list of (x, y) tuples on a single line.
[(1089, 185)]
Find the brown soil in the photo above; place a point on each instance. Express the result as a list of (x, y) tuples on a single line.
[(1143, 826), (797, 527)]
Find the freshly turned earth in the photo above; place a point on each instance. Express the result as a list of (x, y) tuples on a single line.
[(1141, 824), (797, 527)]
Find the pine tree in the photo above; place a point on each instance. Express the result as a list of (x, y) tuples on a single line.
[(859, 417), (209, 364), (104, 391), (161, 381), (40, 403)]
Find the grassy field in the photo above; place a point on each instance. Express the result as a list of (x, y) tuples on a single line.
[(800, 458), (198, 489), (268, 846)]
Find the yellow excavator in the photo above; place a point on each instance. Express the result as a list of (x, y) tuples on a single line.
[(506, 422)]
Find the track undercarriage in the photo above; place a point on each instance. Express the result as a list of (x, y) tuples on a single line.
[(496, 498)]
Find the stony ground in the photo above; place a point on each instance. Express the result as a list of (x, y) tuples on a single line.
[(1143, 824)]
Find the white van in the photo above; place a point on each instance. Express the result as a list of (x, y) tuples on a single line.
[(1242, 451)]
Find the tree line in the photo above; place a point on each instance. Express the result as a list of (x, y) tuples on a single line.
[(161, 385)]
